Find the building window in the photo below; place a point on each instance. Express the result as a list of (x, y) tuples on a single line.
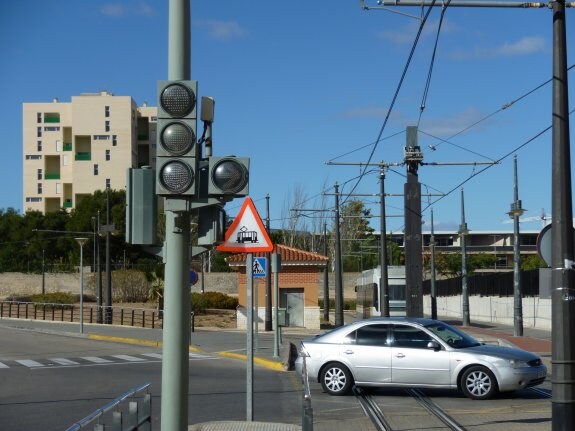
[(65, 160), (51, 129), (58, 188), (39, 174), (39, 146), (101, 137), (38, 157), (39, 188), (33, 199), (106, 111), (95, 169), (107, 126), (107, 183), (39, 120), (107, 155), (58, 146), (39, 134), (114, 140)]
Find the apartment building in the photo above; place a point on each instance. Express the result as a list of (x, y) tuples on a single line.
[(73, 149)]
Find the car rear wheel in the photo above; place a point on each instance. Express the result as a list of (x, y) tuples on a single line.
[(478, 383), (336, 379)]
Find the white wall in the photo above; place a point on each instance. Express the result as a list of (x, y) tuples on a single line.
[(493, 309)]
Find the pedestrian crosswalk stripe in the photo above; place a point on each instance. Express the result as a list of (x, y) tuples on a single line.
[(2, 365), (153, 355), (96, 359), (64, 361), (128, 358), (29, 363)]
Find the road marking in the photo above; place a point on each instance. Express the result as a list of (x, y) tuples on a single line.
[(3, 365), (153, 355), (95, 359), (64, 361), (128, 358), (29, 363)]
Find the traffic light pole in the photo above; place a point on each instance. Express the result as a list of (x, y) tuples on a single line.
[(174, 402)]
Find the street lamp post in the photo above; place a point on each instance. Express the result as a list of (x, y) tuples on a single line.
[(81, 241)]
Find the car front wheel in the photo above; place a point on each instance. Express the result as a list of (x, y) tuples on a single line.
[(336, 379), (478, 383)]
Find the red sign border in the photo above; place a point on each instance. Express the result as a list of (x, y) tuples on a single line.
[(242, 248)]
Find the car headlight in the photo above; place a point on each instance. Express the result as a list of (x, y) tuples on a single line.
[(516, 363)]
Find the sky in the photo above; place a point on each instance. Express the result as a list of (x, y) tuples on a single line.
[(299, 85)]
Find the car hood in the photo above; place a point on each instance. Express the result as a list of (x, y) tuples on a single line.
[(501, 352)]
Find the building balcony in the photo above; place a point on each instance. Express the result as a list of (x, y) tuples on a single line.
[(67, 203), (67, 146), (55, 176), (83, 156)]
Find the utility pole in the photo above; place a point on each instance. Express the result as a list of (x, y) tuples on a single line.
[(383, 278), (268, 313), (515, 213), (433, 286), (413, 237), (325, 277), (463, 232), (338, 267), (109, 316)]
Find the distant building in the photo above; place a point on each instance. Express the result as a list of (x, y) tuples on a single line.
[(73, 149)]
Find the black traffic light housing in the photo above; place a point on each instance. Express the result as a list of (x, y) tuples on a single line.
[(177, 150)]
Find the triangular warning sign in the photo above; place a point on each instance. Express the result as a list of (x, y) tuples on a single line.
[(247, 233)]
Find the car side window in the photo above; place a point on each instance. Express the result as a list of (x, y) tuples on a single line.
[(408, 336), (373, 335)]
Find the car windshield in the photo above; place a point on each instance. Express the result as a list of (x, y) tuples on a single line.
[(452, 336)]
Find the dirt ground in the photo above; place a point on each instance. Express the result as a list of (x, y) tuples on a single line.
[(216, 319)]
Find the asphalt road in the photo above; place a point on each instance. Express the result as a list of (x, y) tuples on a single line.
[(50, 381)]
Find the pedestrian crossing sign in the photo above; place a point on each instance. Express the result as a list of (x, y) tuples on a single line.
[(259, 267)]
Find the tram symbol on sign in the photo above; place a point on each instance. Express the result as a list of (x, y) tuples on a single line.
[(244, 235)]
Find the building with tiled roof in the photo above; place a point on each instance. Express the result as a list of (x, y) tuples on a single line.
[(298, 281)]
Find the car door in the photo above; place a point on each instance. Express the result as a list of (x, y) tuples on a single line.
[(413, 362), (369, 354)]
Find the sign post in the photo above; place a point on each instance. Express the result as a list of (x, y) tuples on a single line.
[(247, 235)]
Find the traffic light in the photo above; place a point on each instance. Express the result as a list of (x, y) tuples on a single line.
[(228, 177), (177, 149)]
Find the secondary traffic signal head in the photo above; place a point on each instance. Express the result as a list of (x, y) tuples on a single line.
[(228, 176), (177, 150)]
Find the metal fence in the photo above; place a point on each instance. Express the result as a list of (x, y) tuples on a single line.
[(126, 316), (498, 284), (137, 415)]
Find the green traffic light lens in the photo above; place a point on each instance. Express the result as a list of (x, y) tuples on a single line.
[(230, 176), (176, 176), (177, 138), (178, 100)]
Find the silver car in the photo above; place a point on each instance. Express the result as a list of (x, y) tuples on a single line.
[(415, 352)]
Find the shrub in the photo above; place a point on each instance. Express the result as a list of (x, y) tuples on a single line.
[(54, 298), (218, 300)]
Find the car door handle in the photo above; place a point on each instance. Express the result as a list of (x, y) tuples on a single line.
[(348, 352), (400, 355)]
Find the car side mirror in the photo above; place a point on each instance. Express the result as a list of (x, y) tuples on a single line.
[(433, 345)]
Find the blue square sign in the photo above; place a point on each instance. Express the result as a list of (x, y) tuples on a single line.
[(259, 267)]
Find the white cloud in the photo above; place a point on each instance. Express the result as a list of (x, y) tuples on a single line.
[(525, 46), (223, 30), (117, 10), (407, 34), (367, 112)]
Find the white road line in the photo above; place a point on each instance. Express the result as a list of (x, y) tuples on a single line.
[(29, 363), (64, 361), (153, 355), (128, 358), (3, 365), (96, 359)]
